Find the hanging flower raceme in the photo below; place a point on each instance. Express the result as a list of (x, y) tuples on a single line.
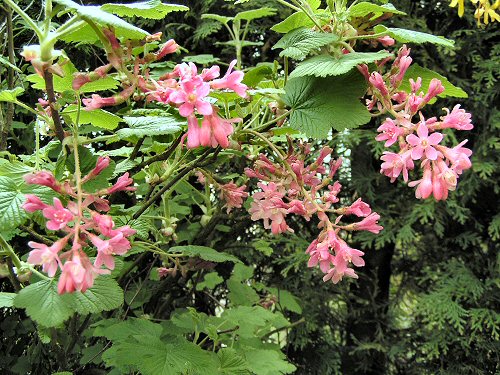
[(292, 187), (190, 91), (418, 139), (84, 226)]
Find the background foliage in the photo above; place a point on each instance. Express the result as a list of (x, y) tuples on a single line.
[(427, 301)]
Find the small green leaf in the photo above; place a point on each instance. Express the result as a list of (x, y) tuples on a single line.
[(319, 104), (286, 299), (415, 71), (10, 95), (97, 117), (326, 65), (210, 281), (7, 299), (43, 304), (410, 36), (300, 42), (241, 294), (268, 362), (150, 126), (222, 19), (6, 62), (152, 9), (204, 252), (106, 83), (249, 15), (364, 8), (203, 59), (294, 21), (255, 75), (96, 14)]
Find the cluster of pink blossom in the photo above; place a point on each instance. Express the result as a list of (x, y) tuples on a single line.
[(441, 165), (186, 89), (294, 188), (183, 88), (83, 226)]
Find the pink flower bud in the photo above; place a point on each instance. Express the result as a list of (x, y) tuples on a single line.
[(122, 184), (435, 88), (33, 203), (43, 178), (168, 48), (377, 81)]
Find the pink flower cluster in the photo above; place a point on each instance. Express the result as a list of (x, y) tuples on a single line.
[(441, 165), (187, 90), (294, 188), (83, 226)]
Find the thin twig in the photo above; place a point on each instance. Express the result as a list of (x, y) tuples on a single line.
[(51, 97)]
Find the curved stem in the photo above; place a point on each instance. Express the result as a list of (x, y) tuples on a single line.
[(26, 18)]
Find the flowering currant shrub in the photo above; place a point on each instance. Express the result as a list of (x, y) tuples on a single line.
[(140, 163)]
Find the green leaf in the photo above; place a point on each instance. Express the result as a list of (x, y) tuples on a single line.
[(97, 117), (254, 75), (116, 330), (268, 362), (298, 43), (104, 295), (231, 363), (61, 84), (12, 197), (6, 62), (204, 252), (106, 83), (14, 169), (363, 9), (415, 71), (7, 299), (222, 19), (10, 95), (326, 65), (249, 15), (96, 14), (241, 294), (319, 104), (150, 126), (152, 9), (43, 304), (203, 59), (294, 21), (152, 356), (410, 36), (286, 299), (263, 247), (210, 281)]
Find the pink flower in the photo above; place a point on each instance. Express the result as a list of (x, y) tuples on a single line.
[(101, 164), (424, 188), (358, 208), (43, 178), (33, 203), (97, 101), (333, 191), (335, 275), (216, 130), (104, 224), (390, 132), (210, 74), (369, 223), (118, 245), (77, 274), (386, 41), (231, 80), (169, 47), (190, 97), (47, 256), (457, 119), (377, 81), (435, 88), (58, 216), (394, 164), (232, 195), (423, 143), (269, 206), (122, 184)]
